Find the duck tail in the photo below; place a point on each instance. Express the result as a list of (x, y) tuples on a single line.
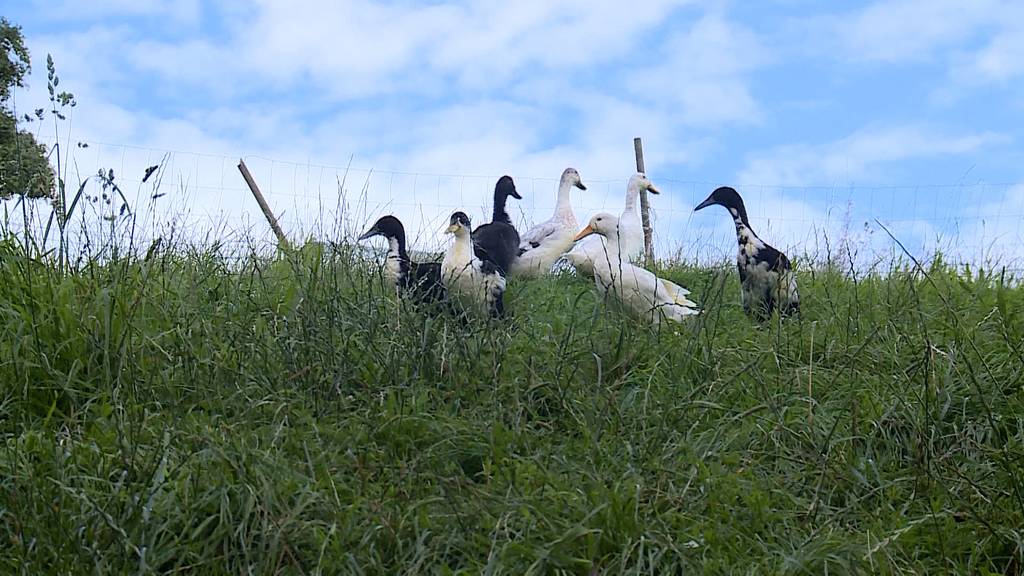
[(677, 293)]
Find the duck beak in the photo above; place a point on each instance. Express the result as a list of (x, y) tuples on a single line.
[(583, 233), (368, 234), (709, 202), (579, 184), (451, 229), (515, 195), (652, 189)]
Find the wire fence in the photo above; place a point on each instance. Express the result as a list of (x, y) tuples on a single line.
[(202, 198)]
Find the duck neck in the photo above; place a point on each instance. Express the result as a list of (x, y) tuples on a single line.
[(739, 217), (499, 215), (564, 197), (611, 242), (462, 248), (396, 246), (632, 191)]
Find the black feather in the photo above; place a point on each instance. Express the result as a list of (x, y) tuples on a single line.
[(498, 241), (424, 282)]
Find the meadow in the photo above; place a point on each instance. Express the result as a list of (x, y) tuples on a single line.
[(185, 411)]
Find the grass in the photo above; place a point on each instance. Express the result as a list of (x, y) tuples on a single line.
[(186, 412)]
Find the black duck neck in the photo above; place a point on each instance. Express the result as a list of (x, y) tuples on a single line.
[(739, 217), (499, 215)]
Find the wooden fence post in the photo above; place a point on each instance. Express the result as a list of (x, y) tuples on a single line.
[(281, 238), (645, 207)]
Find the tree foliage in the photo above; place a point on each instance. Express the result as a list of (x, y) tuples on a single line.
[(24, 167)]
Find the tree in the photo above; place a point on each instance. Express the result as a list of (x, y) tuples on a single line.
[(24, 167)]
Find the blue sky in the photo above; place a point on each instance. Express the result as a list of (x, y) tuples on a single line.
[(825, 115)]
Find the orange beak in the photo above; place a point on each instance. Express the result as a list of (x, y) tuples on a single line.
[(583, 233)]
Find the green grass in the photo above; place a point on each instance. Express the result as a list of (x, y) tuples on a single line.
[(188, 413)]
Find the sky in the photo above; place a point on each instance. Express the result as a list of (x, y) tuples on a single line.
[(832, 119)]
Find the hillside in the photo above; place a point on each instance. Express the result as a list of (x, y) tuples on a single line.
[(188, 412)]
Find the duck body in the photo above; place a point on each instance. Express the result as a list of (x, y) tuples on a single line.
[(474, 284), (631, 231), (641, 291), (420, 280), (767, 279), (498, 240), (543, 244)]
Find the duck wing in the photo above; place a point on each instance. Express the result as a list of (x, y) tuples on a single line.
[(497, 242), (586, 252), (536, 235), (493, 282), (426, 282)]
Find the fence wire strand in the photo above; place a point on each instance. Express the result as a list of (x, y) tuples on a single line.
[(200, 195)]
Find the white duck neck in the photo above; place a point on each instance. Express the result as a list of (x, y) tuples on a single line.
[(460, 254), (463, 238), (396, 247), (632, 191), (564, 205), (611, 242)]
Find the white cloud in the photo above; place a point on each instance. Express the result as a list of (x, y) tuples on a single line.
[(702, 76), (359, 48), (980, 42), (177, 11), (999, 60), (856, 158), (907, 30)]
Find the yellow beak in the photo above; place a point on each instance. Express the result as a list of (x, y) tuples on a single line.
[(652, 189), (583, 233), (451, 229)]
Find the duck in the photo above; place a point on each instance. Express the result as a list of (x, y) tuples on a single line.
[(543, 244), (646, 295), (767, 279), (421, 280), (631, 231), (498, 240), (474, 284)]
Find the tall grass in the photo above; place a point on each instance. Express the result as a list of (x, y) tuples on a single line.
[(184, 410)]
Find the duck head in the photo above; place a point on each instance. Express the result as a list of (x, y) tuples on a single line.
[(572, 178), (602, 223), (458, 224), (386, 226), (505, 188), (640, 182), (730, 199)]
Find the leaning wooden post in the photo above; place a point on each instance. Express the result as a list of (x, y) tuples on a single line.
[(645, 207), (281, 238)]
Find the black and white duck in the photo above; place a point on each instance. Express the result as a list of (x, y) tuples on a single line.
[(421, 280), (475, 284), (767, 279)]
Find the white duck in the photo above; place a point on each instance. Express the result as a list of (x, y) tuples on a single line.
[(545, 242), (638, 289), (631, 231), (473, 283)]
